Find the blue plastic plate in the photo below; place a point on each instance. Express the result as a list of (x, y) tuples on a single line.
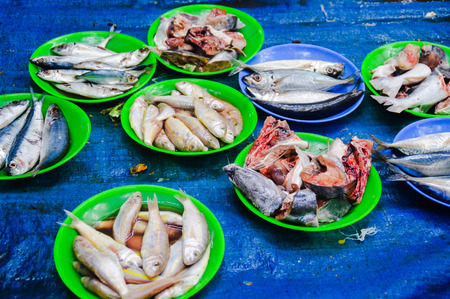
[(420, 128), (305, 51)]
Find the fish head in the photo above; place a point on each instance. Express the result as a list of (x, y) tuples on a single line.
[(191, 254), (17, 167), (153, 265), (333, 70), (45, 74), (260, 94), (257, 80), (63, 49)]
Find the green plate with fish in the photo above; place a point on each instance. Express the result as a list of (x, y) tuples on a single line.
[(77, 120), (378, 56), (119, 43), (219, 90), (252, 32), (318, 144), (106, 204)]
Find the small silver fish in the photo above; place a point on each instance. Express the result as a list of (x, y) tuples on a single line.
[(167, 216), (163, 142), (181, 137), (211, 119), (126, 59), (176, 101), (9, 134), (61, 75), (136, 116), (90, 90), (125, 219), (11, 111), (108, 77), (151, 125), (57, 62), (199, 130), (431, 143), (175, 264), (81, 49), (198, 92)]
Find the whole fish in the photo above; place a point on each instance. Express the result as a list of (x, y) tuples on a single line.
[(431, 91), (432, 164), (211, 119), (295, 80), (304, 209), (199, 130), (261, 191), (155, 243), (99, 288), (61, 75), (11, 111), (233, 116), (57, 62), (167, 216), (333, 210), (198, 92), (81, 49), (105, 243), (176, 101), (165, 111), (126, 59), (136, 116), (438, 187), (175, 264), (104, 265), (431, 143), (151, 126), (333, 69), (90, 90), (195, 231), (24, 153), (125, 219), (192, 276), (181, 137), (108, 77), (391, 85), (326, 108), (9, 134), (55, 138), (163, 142)]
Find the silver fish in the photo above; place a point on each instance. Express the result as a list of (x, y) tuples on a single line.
[(195, 231), (211, 119), (105, 243), (151, 125), (431, 143), (199, 130), (108, 77), (104, 265), (181, 137), (233, 116), (261, 191), (81, 49), (55, 138), (97, 287), (165, 111), (167, 216), (431, 91), (11, 111), (295, 80), (176, 101), (9, 134), (175, 264), (155, 242), (432, 164), (163, 142), (136, 116), (61, 75), (198, 92), (304, 209), (333, 69), (126, 59), (125, 219), (89, 90), (57, 62), (24, 154)]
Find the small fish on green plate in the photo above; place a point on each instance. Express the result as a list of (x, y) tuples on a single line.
[(83, 85), (380, 55), (205, 24), (239, 103), (78, 123), (317, 145), (108, 203)]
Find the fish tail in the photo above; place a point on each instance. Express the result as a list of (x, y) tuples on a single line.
[(354, 78), (182, 196), (74, 218), (397, 175), (380, 156), (239, 66), (381, 144), (396, 105)]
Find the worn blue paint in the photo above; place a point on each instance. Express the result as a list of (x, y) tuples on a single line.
[(408, 257)]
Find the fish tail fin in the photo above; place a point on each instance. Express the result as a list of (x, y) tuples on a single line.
[(64, 224), (239, 66), (381, 144), (380, 156), (353, 78), (389, 85), (397, 175), (182, 196), (74, 218), (396, 105)]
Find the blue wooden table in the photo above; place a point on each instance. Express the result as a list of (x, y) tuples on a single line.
[(408, 257)]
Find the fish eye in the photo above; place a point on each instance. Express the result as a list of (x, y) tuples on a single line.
[(12, 165), (131, 78), (61, 46), (257, 77), (46, 72), (329, 70), (156, 264)]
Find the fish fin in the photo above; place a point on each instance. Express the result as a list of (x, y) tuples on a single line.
[(72, 217), (381, 144), (380, 156), (396, 105), (278, 81), (397, 175), (239, 66), (388, 85), (182, 196), (64, 224), (353, 78)]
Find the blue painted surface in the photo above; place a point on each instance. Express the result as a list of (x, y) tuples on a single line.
[(408, 257)]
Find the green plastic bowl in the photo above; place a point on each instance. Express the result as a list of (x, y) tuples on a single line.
[(253, 33), (106, 204), (378, 56), (318, 144), (119, 43), (78, 121), (219, 90)]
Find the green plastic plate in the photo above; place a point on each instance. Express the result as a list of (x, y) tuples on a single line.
[(219, 90), (253, 33), (108, 203), (119, 43), (78, 121), (378, 56), (318, 144)]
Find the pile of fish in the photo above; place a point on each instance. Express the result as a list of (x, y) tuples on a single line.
[(190, 119), (140, 254), (286, 182), (204, 43), (299, 87), (426, 161), (416, 78), (27, 141), (92, 71)]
